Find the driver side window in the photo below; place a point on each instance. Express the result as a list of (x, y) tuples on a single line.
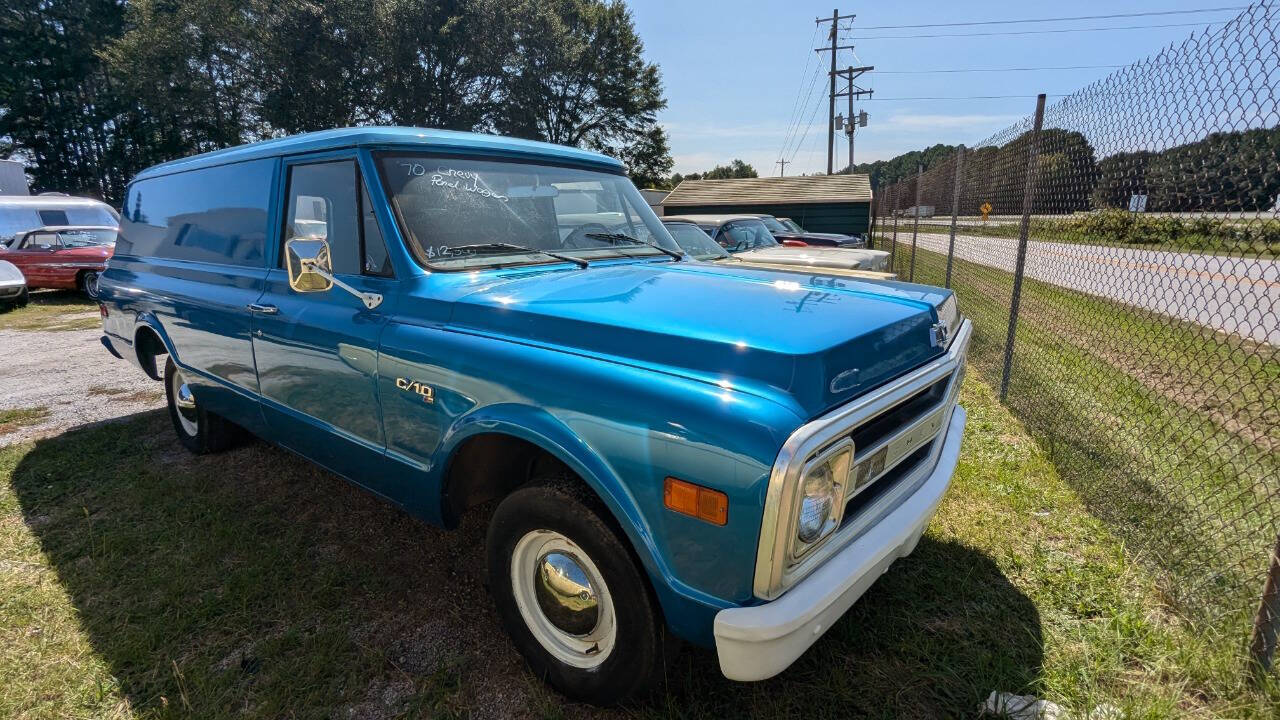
[(41, 241)]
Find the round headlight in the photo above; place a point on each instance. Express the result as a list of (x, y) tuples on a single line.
[(816, 503)]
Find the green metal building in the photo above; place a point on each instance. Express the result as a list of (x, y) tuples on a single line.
[(820, 203)]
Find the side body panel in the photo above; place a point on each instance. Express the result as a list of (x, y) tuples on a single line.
[(190, 258)]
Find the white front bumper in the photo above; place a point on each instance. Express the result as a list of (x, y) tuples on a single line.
[(758, 642)]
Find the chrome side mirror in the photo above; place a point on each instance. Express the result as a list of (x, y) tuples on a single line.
[(308, 263), (310, 269)]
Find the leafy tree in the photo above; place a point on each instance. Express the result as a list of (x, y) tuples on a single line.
[(735, 169), (92, 91), (578, 76), (648, 158), (1233, 171), (56, 98), (902, 167), (1121, 176)]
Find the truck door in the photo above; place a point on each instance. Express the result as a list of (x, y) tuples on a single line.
[(317, 352)]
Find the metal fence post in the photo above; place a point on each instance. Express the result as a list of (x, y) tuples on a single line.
[(876, 202), (1266, 625), (955, 209), (893, 249), (915, 227), (1028, 198)]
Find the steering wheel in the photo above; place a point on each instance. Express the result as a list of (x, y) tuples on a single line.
[(575, 239)]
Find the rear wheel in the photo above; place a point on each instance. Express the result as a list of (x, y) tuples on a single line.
[(199, 430), (89, 283), (571, 596)]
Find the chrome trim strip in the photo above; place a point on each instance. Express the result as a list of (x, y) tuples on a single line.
[(772, 575)]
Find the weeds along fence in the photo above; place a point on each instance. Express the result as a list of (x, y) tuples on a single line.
[(1119, 255)]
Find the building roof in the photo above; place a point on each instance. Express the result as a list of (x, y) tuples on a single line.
[(382, 136), (772, 190)]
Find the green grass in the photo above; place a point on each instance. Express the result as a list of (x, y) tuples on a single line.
[(1048, 230), (13, 418), (53, 310), (139, 581), (1168, 430)]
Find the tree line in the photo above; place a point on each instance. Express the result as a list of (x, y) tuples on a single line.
[(1222, 172), (92, 91)]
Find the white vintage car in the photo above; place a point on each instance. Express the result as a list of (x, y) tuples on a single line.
[(745, 238), (13, 286)]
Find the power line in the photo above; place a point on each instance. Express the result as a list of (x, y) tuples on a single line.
[(1009, 69), (1058, 19), (797, 110), (1031, 32), (965, 97), (809, 98)]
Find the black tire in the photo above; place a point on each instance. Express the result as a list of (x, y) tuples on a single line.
[(212, 433), (88, 282), (642, 648), (24, 297)]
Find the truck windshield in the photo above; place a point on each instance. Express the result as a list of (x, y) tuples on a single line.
[(463, 214)]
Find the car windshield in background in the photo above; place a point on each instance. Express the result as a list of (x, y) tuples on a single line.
[(462, 214), (741, 235), (85, 238), (792, 225), (773, 224), (695, 242)]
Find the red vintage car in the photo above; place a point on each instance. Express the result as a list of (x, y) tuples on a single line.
[(68, 257)]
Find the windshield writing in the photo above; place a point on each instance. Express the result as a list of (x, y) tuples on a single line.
[(463, 213)]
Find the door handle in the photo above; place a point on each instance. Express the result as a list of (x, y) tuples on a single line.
[(264, 309)]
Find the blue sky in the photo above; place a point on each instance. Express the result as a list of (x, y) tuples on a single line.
[(732, 71)]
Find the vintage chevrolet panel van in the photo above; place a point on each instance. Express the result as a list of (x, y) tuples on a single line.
[(675, 449)]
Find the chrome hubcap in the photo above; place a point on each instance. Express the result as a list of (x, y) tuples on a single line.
[(565, 594), (563, 599), (185, 402)]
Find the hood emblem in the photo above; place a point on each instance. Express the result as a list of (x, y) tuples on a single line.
[(844, 381), (938, 334)]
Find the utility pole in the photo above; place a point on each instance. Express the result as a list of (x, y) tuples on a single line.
[(853, 91), (835, 19), (783, 163)]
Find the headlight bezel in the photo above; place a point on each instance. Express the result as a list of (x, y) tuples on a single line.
[(838, 457)]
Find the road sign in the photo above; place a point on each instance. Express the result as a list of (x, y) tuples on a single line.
[(986, 208)]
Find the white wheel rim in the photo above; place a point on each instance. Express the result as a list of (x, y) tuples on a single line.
[(587, 649), (185, 403)]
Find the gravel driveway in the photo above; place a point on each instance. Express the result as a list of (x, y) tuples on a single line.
[(71, 376)]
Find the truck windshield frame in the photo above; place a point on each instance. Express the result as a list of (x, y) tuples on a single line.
[(503, 212)]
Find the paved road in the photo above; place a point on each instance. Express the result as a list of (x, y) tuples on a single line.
[(1235, 295)]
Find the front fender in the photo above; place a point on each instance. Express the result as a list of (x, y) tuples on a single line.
[(687, 610)]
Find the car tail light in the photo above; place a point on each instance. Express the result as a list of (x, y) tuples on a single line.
[(795, 243)]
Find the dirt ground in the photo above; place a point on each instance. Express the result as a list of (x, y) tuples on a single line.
[(67, 379)]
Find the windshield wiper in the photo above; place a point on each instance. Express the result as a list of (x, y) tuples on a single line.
[(616, 238), (511, 246)]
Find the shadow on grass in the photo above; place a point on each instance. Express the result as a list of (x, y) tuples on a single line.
[(253, 584)]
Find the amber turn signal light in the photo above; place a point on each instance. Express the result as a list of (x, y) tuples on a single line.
[(696, 501)]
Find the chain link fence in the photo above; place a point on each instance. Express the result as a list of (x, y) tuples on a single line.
[(1119, 255)]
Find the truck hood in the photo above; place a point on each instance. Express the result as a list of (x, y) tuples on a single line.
[(818, 340)]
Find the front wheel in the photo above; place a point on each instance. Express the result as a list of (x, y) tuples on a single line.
[(574, 601), (199, 430)]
